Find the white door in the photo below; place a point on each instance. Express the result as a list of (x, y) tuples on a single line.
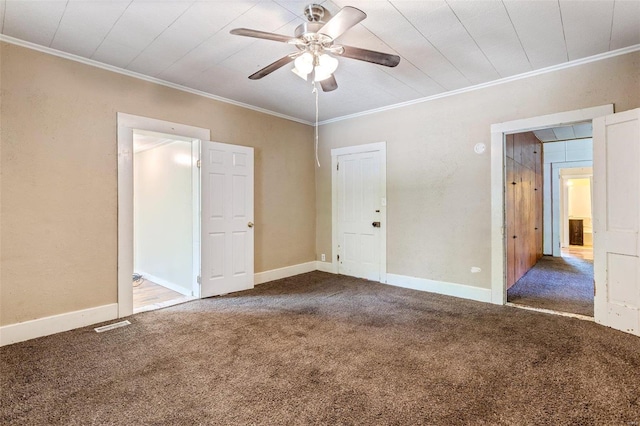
[(227, 218), (616, 216), (359, 215)]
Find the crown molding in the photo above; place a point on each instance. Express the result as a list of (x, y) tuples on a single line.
[(94, 63), (553, 68)]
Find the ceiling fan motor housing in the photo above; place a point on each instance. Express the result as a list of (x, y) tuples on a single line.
[(313, 40)]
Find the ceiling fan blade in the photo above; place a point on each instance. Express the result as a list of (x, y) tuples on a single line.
[(342, 21), (329, 84), (272, 67), (264, 35), (370, 56)]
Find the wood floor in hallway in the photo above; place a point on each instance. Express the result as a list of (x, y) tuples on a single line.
[(149, 295), (580, 252)]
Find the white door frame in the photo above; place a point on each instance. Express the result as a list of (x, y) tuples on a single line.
[(498, 132), (563, 227), (560, 211), (127, 123), (381, 147)]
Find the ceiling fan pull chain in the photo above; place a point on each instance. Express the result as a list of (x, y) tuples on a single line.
[(315, 91)]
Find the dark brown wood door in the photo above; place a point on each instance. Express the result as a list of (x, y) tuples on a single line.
[(576, 232), (523, 204)]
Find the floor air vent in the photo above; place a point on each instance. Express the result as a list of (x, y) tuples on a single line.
[(112, 326)]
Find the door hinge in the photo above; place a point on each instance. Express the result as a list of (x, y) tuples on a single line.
[(338, 167), (338, 258), (198, 164), (199, 279)]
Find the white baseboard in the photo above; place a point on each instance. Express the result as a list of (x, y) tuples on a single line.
[(441, 287), (325, 267), (168, 284), (19, 332), (287, 271)]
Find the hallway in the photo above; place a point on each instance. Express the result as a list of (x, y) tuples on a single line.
[(563, 284)]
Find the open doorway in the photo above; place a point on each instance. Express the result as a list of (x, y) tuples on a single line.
[(576, 214), (557, 275), (165, 220), (222, 197)]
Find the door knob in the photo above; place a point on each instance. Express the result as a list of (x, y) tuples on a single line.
[(376, 224), (250, 224)]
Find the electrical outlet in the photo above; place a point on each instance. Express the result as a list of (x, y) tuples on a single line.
[(323, 257)]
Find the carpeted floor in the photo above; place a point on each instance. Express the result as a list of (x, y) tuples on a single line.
[(563, 284), (325, 349)]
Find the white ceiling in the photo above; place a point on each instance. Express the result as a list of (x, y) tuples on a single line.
[(444, 45), (565, 133)]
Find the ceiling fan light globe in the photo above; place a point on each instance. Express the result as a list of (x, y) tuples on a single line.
[(328, 63), (305, 77), (321, 73), (304, 63)]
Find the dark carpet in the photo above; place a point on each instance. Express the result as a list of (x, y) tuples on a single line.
[(563, 284), (325, 349)]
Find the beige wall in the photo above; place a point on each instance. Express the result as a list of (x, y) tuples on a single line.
[(438, 189), (59, 190)]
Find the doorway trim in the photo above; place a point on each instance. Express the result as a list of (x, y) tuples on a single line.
[(126, 124), (381, 147), (498, 132), (560, 213)]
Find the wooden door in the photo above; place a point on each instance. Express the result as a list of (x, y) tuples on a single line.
[(538, 199), (523, 204), (510, 231)]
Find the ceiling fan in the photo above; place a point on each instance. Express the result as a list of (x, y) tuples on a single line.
[(317, 51)]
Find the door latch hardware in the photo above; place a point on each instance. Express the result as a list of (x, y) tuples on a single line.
[(376, 224)]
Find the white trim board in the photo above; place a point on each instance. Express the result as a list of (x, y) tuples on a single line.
[(552, 312), (498, 132), (19, 332), (558, 202), (325, 267), (94, 63), (553, 68), (440, 287), (286, 272)]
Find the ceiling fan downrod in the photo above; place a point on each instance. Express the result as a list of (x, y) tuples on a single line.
[(314, 12)]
